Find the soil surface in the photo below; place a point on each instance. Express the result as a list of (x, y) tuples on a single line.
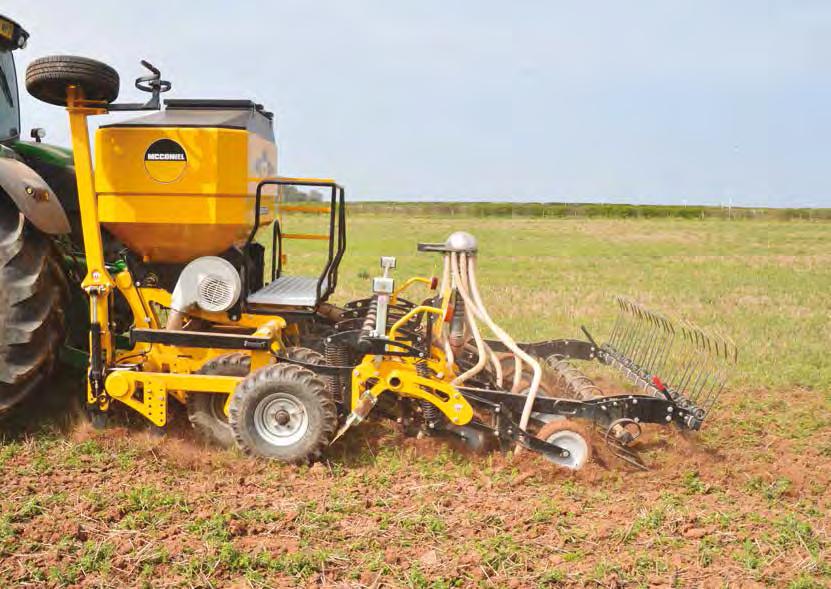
[(745, 503)]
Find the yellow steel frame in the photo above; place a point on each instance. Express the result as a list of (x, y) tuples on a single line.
[(399, 375), (164, 370)]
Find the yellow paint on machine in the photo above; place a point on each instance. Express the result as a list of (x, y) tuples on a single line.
[(6, 29), (174, 210)]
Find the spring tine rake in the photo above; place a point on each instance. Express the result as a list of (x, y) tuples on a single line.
[(677, 360)]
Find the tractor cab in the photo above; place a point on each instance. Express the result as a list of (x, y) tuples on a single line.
[(12, 37)]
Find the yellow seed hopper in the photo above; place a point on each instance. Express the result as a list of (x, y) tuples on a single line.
[(180, 183)]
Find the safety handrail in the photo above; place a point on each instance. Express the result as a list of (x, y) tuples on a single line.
[(337, 221)]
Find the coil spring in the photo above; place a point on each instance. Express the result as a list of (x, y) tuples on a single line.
[(336, 353), (572, 381), (429, 411)]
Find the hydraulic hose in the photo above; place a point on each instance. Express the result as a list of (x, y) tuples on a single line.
[(444, 337), (510, 343), (484, 352), (470, 314)]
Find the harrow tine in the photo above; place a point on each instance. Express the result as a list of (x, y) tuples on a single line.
[(637, 335), (700, 361), (645, 340), (691, 363), (618, 326), (658, 345), (627, 315), (696, 359), (691, 357), (676, 362), (705, 371), (645, 328), (665, 354), (716, 386), (639, 342), (648, 353), (728, 357)]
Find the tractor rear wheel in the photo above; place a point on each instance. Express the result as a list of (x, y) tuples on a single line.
[(48, 78), (283, 412), (33, 291)]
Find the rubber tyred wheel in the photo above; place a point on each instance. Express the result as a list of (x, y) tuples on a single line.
[(569, 436), (48, 78), (33, 295), (306, 355), (543, 390), (283, 412), (206, 411)]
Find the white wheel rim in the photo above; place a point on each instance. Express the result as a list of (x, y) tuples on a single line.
[(574, 443), (281, 419)]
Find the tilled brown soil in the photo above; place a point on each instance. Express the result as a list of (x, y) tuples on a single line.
[(743, 504)]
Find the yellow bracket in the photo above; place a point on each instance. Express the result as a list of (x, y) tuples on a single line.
[(122, 385), (401, 379)]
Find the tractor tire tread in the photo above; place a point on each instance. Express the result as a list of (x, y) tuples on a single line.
[(33, 292)]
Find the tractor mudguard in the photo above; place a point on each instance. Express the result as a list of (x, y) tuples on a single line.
[(33, 196)]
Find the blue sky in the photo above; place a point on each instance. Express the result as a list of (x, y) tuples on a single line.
[(693, 101)]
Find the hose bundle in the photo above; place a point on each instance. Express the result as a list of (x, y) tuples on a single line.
[(459, 280)]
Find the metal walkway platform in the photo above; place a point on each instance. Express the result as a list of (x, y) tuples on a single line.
[(293, 291)]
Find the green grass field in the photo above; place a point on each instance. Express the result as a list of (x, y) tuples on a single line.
[(744, 503), (765, 284)]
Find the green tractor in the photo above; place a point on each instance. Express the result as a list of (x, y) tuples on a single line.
[(38, 210)]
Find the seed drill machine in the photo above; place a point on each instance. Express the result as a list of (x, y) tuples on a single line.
[(180, 309)]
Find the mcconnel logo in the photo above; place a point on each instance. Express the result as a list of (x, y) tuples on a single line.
[(165, 160)]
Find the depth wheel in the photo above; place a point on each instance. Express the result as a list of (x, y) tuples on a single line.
[(206, 411), (283, 412), (570, 436), (48, 78)]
